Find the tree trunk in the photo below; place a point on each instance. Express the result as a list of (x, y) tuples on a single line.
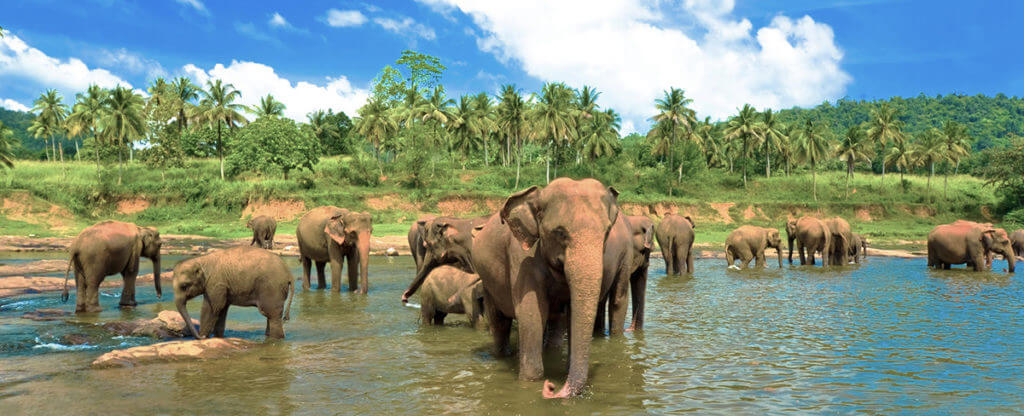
[(96, 150), (131, 152), (814, 182), (945, 186), (60, 148), (768, 161), (487, 156), (930, 174), (78, 158), (849, 174), (519, 161), (53, 143), (220, 151), (46, 149), (120, 164)]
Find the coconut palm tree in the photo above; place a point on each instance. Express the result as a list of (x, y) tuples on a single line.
[(553, 120), (745, 128), (813, 147), (217, 108), (323, 129), (673, 110), (268, 107), (958, 146), (786, 146), (88, 109), (927, 150), (853, 147), (602, 135), (511, 123), (900, 156), (884, 126), (463, 131), (50, 114), (123, 121), (376, 123), (772, 136), (184, 92), (483, 121), (7, 143)]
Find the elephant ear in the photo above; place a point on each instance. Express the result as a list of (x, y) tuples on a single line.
[(692, 225), (335, 229), (520, 213), (988, 237), (613, 204)]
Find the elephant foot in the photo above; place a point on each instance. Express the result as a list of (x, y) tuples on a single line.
[(129, 305), (549, 391), (88, 309)]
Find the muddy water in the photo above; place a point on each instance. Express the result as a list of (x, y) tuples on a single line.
[(885, 337)]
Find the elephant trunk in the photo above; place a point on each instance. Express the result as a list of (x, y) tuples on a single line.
[(790, 238), (778, 250), (180, 301), (363, 245), (429, 262), (584, 272), (156, 276), (1010, 261)]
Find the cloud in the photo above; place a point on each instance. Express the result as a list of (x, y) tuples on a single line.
[(250, 30), (18, 60), (633, 50), (276, 20), (405, 27), (13, 105), (256, 80), (130, 62), (195, 4), (344, 18)]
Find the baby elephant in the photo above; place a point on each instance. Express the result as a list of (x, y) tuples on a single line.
[(241, 276), (263, 229), (749, 242), (449, 289)]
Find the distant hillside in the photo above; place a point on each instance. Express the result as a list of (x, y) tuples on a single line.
[(31, 148), (988, 119)]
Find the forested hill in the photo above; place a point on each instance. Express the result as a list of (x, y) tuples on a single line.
[(989, 120), (29, 147)]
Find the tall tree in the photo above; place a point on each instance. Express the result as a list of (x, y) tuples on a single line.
[(812, 148), (745, 128), (437, 111), (217, 107), (7, 143), (772, 136), (900, 156), (50, 114), (958, 145), (852, 148), (483, 119), (123, 121), (268, 107), (884, 126), (324, 129), (461, 125), (673, 111), (602, 135), (89, 108), (511, 122), (184, 93), (376, 123), (552, 120), (929, 149)]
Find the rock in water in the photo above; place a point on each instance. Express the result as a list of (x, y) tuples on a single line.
[(172, 351), (46, 314), (391, 251), (167, 324)]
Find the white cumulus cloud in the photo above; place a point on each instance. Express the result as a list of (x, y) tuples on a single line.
[(405, 26), (276, 20), (195, 4), (13, 105), (18, 60), (633, 50), (345, 18), (256, 80)]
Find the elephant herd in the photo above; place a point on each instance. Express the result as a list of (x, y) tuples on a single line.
[(562, 261)]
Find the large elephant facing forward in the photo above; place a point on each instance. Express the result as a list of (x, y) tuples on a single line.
[(812, 236), (749, 242), (263, 229), (970, 243), (107, 248), (675, 236), (547, 250), (332, 234)]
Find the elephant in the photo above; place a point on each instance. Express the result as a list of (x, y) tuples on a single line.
[(858, 247), (332, 234), (839, 251), (1017, 241), (449, 289), (263, 229), (560, 248), (446, 240), (240, 276), (643, 243), (675, 236), (417, 232), (970, 243), (811, 235), (107, 248), (749, 242)]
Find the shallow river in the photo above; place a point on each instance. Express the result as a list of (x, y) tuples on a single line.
[(885, 337)]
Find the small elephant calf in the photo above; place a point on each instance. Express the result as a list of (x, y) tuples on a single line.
[(749, 242), (449, 289), (263, 229)]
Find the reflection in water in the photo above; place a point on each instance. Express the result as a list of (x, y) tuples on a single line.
[(887, 336)]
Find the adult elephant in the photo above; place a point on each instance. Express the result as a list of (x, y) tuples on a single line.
[(549, 250), (107, 248), (813, 236), (240, 276), (417, 232), (332, 234), (1017, 241), (263, 229), (675, 236), (643, 242), (749, 242), (970, 243), (839, 251), (641, 239), (446, 240)]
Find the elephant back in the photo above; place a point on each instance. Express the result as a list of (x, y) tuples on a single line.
[(310, 231)]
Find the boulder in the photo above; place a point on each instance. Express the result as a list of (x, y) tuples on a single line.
[(167, 324), (172, 351), (46, 314)]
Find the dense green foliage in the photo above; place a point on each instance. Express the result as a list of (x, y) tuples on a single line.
[(273, 143)]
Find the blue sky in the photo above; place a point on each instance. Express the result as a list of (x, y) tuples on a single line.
[(315, 54)]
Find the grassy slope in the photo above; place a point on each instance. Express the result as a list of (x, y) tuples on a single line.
[(193, 200)]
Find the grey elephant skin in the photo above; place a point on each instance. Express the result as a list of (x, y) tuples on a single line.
[(842, 237), (107, 248), (449, 289), (238, 276), (1017, 241), (749, 242), (446, 241), (858, 247), (263, 229), (545, 253), (643, 242), (335, 235), (970, 243), (675, 236), (417, 232), (811, 236)]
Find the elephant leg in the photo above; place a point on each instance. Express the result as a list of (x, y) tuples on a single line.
[(556, 330), (666, 253), (207, 318), (689, 259), (760, 263), (638, 293), (980, 263), (945, 266), (532, 315), (92, 281), (305, 271), (730, 257), (679, 258), (321, 278), (222, 320), (439, 318), (501, 327), (275, 326), (128, 291), (81, 291), (337, 257), (800, 249), (599, 318), (426, 308), (353, 272), (617, 301)]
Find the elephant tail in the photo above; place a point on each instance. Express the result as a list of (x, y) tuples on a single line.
[(64, 296), (288, 308)]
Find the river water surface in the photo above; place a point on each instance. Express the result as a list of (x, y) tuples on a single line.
[(885, 337)]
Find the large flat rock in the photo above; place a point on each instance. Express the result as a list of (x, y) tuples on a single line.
[(171, 351), (167, 324)]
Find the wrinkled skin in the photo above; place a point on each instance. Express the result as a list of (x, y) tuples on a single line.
[(263, 229), (675, 236), (335, 235), (449, 289), (858, 247), (839, 251), (107, 248), (749, 242), (417, 232), (239, 276), (544, 253), (1017, 242), (812, 236), (446, 241), (970, 243)]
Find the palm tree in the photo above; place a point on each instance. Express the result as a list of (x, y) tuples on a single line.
[(1, 32), (323, 129), (812, 147), (184, 93), (884, 126), (50, 114), (89, 108), (745, 128), (511, 121), (552, 120), (123, 121), (461, 124), (375, 122), (217, 108), (586, 108), (853, 147), (483, 121), (790, 133), (958, 145), (674, 112), (437, 111), (602, 135), (929, 149), (7, 143), (900, 156), (772, 136), (268, 107)]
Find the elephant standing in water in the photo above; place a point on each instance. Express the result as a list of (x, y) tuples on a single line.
[(449, 289), (1017, 241), (643, 243), (332, 234), (240, 276), (749, 242), (858, 247), (447, 241), (263, 229), (417, 232), (839, 251), (675, 236), (970, 243), (813, 236), (107, 248), (549, 250)]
